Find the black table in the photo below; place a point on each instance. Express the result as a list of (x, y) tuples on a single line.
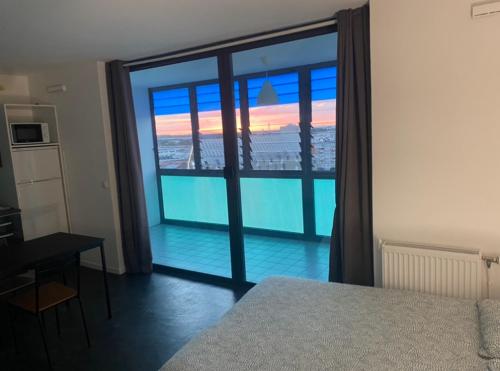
[(21, 256)]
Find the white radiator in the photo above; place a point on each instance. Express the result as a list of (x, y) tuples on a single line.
[(432, 269)]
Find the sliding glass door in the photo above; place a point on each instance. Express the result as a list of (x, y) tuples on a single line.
[(244, 151), (287, 144), (185, 107)]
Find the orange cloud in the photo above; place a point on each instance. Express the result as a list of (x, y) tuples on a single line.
[(261, 119)]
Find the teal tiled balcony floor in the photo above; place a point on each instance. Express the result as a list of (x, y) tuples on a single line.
[(207, 251)]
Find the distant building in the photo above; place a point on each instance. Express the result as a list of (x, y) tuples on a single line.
[(271, 150)]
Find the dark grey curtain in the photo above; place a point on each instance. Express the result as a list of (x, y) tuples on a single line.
[(133, 214), (351, 256)]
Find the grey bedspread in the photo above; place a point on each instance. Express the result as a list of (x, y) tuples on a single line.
[(291, 324)]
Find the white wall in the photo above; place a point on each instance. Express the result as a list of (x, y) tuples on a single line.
[(148, 160), (436, 124), (14, 89), (86, 142)]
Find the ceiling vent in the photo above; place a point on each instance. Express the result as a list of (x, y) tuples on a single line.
[(485, 9)]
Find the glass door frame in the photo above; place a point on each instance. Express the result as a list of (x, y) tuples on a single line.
[(232, 171)]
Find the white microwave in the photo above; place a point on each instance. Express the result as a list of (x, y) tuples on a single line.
[(29, 133)]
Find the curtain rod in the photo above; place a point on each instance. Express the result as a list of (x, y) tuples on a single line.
[(234, 42)]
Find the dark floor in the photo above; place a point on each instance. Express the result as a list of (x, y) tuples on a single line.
[(153, 317)]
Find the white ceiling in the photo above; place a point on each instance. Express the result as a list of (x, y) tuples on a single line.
[(35, 33)]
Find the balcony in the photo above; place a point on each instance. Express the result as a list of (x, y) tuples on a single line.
[(194, 235)]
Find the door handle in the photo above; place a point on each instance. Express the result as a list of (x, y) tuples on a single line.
[(229, 172)]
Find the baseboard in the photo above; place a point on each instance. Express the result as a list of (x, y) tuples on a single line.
[(97, 266)]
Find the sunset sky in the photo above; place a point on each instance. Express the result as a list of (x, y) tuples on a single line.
[(261, 119)]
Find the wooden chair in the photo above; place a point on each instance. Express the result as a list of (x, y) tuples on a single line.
[(45, 296)]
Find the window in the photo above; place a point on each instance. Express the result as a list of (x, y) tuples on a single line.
[(269, 136), (184, 134), (173, 129), (274, 129), (210, 126), (323, 108)]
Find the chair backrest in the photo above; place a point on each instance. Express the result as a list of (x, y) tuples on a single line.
[(56, 266), (44, 272), (13, 284)]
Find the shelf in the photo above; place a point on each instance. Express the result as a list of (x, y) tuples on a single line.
[(15, 113), (33, 146), (28, 105), (8, 212)]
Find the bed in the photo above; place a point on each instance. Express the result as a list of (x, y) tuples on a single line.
[(293, 324)]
